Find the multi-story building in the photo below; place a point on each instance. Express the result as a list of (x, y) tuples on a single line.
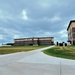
[(34, 41), (71, 32)]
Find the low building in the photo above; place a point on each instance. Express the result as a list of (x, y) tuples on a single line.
[(34, 41), (71, 32)]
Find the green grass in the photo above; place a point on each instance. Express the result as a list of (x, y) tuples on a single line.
[(63, 52), (13, 49)]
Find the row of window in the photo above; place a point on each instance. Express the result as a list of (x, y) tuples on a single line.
[(33, 39)]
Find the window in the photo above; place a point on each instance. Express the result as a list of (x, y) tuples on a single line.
[(73, 35), (73, 29)]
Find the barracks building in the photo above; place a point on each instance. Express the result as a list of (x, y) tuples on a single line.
[(35, 41), (71, 32)]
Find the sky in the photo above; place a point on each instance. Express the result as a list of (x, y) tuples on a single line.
[(35, 18)]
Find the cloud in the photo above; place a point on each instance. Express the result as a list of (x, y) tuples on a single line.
[(5, 15), (44, 3), (63, 33), (1, 37), (55, 18), (9, 32), (36, 18), (16, 36), (24, 15), (52, 19)]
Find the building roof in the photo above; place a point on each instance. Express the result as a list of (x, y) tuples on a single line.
[(32, 37), (70, 23)]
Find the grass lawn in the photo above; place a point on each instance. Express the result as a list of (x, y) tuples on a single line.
[(63, 52), (13, 49)]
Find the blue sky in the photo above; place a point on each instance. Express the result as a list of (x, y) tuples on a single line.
[(35, 18)]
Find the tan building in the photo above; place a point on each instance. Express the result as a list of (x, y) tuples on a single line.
[(71, 32), (34, 41)]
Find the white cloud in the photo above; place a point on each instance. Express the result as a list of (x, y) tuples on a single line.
[(16, 36), (55, 18), (1, 37), (44, 3), (57, 40), (63, 33), (11, 32), (47, 33), (4, 15), (52, 3), (24, 15)]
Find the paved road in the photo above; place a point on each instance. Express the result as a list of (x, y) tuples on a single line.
[(35, 63)]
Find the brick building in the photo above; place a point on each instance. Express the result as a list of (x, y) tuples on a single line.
[(34, 41), (71, 32)]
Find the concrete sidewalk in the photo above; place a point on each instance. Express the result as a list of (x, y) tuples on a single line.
[(35, 63)]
